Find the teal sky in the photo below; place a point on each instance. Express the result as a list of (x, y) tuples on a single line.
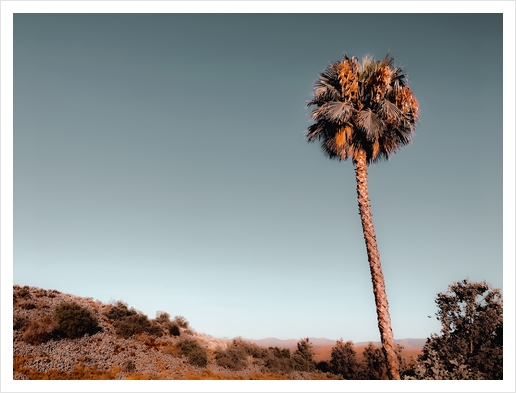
[(160, 159)]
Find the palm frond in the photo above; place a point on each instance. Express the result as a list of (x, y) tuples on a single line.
[(389, 112), (371, 125), (327, 86), (334, 111)]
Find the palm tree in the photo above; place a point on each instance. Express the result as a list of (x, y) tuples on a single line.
[(365, 112)]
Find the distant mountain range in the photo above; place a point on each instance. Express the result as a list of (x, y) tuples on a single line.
[(412, 343), (323, 347)]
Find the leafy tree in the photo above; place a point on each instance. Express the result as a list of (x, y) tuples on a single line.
[(470, 344), (375, 366), (304, 355), (365, 112), (344, 360)]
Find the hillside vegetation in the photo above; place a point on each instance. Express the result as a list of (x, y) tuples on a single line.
[(61, 336)]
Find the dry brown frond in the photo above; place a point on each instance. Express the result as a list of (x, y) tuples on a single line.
[(376, 149), (348, 74)]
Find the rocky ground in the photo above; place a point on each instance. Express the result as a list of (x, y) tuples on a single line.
[(106, 355)]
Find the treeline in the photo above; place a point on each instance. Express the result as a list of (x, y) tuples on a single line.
[(343, 360)]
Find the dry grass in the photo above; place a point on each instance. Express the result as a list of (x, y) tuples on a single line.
[(79, 372)]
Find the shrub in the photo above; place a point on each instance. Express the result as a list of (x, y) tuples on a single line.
[(129, 366), (119, 311), (279, 353), (27, 305), (234, 358), (195, 354), (323, 366), (250, 349), (173, 329), (39, 330), (75, 321), (278, 360), (21, 292), (19, 322), (137, 323), (181, 322), (163, 317)]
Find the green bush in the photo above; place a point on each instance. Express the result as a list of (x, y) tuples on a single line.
[(195, 354), (75, 321)]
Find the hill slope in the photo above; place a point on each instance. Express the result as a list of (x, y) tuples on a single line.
[(111, 350), (124, 344)]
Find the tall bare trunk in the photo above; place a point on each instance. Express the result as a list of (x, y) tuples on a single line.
[(380, 295)]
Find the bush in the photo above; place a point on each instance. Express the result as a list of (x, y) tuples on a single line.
[(75, 321), (21, 292), (27, 305), (181, 322), (39, 330), (195, 354), (173, 329), (234, 358), (19, 322), (163, 317), (129, 366), (137, 323), (323, 366), (119, 311), (278, 360)]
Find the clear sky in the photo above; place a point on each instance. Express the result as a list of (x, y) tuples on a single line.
[(160, 159)]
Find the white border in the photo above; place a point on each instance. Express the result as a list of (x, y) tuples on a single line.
[(8, 8)]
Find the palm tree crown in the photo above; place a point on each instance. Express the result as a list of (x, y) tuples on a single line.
[(360, 108)]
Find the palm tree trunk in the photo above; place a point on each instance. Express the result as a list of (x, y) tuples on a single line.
[(380, 295)]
